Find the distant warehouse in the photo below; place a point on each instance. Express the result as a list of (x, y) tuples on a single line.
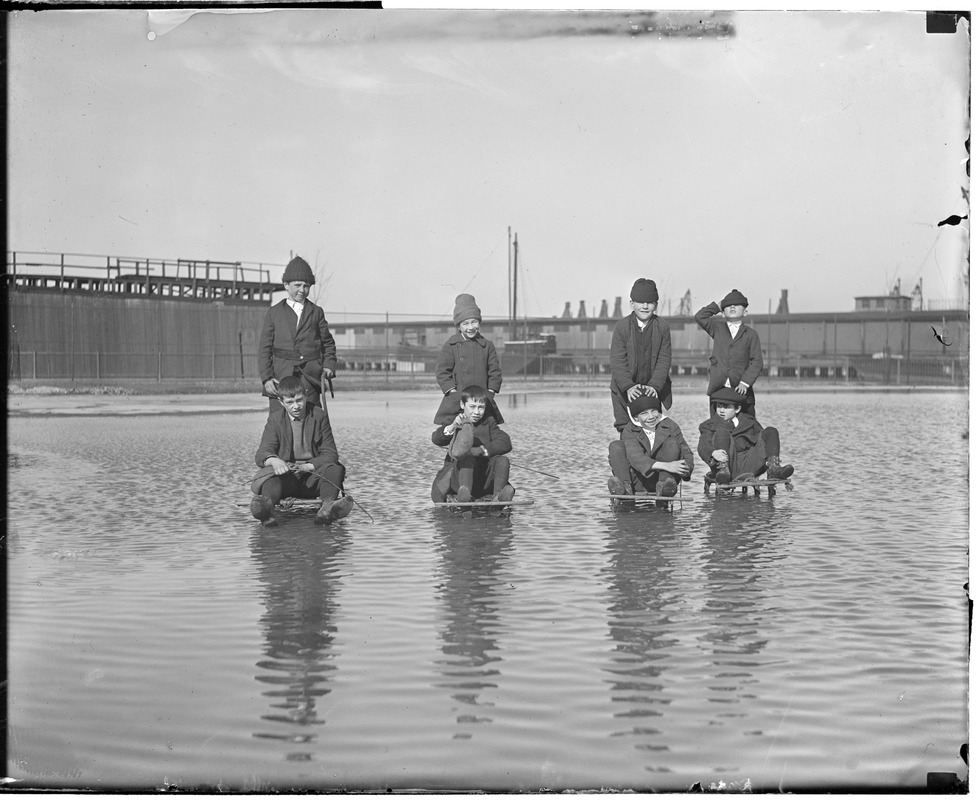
[(79, 317)]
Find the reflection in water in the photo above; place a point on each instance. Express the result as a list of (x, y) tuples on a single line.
[(744, 540), (298, 572), (473, 552), (639, 580)]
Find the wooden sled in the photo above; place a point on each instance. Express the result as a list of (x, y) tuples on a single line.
[(483, 505), (755, 484), (617, 499)]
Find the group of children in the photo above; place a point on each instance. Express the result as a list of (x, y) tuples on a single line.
[(297, 456), (651, 455)]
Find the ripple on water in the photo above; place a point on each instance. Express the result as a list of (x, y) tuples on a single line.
[(157, 633)]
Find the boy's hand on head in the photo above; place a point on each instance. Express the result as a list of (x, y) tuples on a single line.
[(635, 391), (271, 386), (741, 388)]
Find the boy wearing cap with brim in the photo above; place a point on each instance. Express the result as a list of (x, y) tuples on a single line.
[(467, 359), (736, 361), (736, 446), (641, 354), (295, 339), (651, 454)]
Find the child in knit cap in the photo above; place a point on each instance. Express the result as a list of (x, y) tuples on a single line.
[(736, 361), (651, 455), (736, 446), (295, 339), (467, 359), (641, 354)]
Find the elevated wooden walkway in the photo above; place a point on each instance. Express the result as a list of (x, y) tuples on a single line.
[(176, 279)]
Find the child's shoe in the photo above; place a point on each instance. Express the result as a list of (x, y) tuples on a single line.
[(666, 487), (721, 467), (464, 494), (261, 507), (615, 486), (504, 495), (777, 471), (332, 510), (462, 441)]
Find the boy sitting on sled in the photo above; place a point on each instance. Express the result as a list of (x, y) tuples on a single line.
[(736, 444), (298, 458), (651, 454), (476, 464)]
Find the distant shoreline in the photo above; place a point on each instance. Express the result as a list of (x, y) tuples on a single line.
[(152, 388)]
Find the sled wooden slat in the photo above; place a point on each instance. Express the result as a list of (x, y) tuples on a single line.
[(485, 504), (758, 484)]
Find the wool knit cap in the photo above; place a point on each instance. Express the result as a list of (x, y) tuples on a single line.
[(644, 291), (465, 308), (298, 270), (727, 395), (643, 403), (735, 298)]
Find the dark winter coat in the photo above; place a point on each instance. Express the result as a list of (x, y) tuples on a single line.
[(642, 454), (277, 440), (463, 363), (626, 358), (744, 437), (468, 362), (283, 345), (735, 359)]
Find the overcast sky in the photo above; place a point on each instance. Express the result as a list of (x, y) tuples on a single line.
[(813, 152)]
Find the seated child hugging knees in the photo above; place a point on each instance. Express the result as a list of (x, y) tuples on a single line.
[(298, 458), (476, 464), (651, 454), (735, 445)]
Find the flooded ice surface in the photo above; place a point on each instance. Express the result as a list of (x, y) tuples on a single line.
[(818, 639)]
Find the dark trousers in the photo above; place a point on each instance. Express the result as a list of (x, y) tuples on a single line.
[(753, 460), (634, 481), (483, 476), (324, 484)]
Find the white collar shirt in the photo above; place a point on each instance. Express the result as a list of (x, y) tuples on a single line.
[(297, 308)]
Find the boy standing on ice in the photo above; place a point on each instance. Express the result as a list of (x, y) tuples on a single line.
[(641, 354), (467, 359), (736, 361), (298, 458), (476, 464), (295, 339)]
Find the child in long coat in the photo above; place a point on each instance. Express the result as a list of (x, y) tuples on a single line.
[(651, 454), (734, 445), (467, 359), (295, 339), (641, 354), (736, 361)]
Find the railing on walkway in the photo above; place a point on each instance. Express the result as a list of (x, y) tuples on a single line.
[(586, 366), (181, 277)]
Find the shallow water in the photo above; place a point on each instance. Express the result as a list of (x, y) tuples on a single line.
[(816, 639)]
